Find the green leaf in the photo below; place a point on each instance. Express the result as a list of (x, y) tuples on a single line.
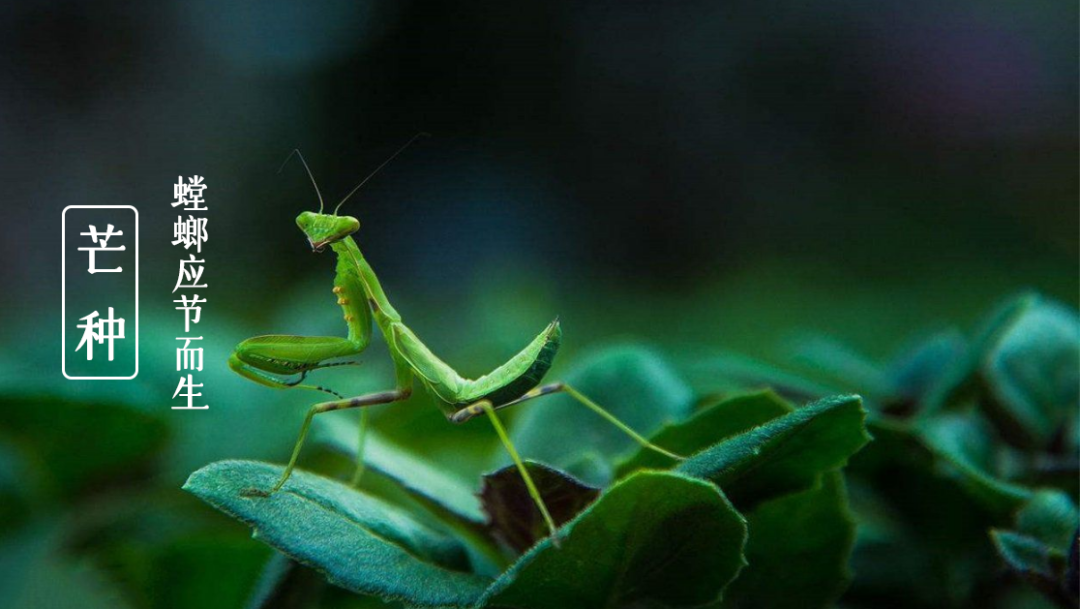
[(1046, 533), (512, 514), (1023, 554), (653, 539), (841, 366), (1033, 371), (960, 378), (918, 368), (915, 525), (50, 430), (285, 584), (412, 481), (1051, 517), (965, 444), (734, 372), (786, 454), (632, 382), (359, 542), (417, 475), (798, 550), (706, 427), (1041, 565), (190, 569), (38, 572), (15, 502)]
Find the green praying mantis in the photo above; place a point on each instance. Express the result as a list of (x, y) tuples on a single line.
[(284, 361)]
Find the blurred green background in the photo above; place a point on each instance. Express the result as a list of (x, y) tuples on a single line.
[(698, 175)]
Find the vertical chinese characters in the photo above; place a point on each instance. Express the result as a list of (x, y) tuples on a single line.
[(96, 329), (99, 331), (190, 232), (100, 292), (101, 241)]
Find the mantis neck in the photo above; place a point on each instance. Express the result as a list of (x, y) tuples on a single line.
[(347, 250)]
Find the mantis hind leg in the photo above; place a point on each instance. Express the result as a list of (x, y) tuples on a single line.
[(486, 407), (474, 410)]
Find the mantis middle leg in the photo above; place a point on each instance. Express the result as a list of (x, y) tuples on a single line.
[(370, 399)]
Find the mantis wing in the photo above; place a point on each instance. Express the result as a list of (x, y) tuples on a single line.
[(507, 382)]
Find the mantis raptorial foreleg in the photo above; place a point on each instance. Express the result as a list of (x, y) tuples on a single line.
[(268, 380)]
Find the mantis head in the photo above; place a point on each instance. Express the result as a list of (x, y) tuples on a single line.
[(323, 229)]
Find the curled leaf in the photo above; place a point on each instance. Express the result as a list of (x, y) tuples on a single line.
[(512, 514)]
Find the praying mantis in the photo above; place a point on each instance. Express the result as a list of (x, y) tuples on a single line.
[(284, 361)]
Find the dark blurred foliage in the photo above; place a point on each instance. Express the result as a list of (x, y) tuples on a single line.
[(667, 144), (696, 174)]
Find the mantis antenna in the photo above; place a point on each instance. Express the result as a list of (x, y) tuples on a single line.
[(297, 152), (384, 163)]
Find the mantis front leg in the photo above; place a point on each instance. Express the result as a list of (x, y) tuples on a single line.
[(253, 373), (270, 360), (266, 359)]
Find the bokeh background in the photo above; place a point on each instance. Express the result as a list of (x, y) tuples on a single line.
[(698, 175)]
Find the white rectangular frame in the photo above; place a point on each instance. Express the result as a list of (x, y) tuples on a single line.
[(63, 294)]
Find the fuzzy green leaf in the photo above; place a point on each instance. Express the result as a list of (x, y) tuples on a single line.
[(786, 454), (632, 382), (706, 427), (653, 539), (512, 514), (359, 542), (798, 550)]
